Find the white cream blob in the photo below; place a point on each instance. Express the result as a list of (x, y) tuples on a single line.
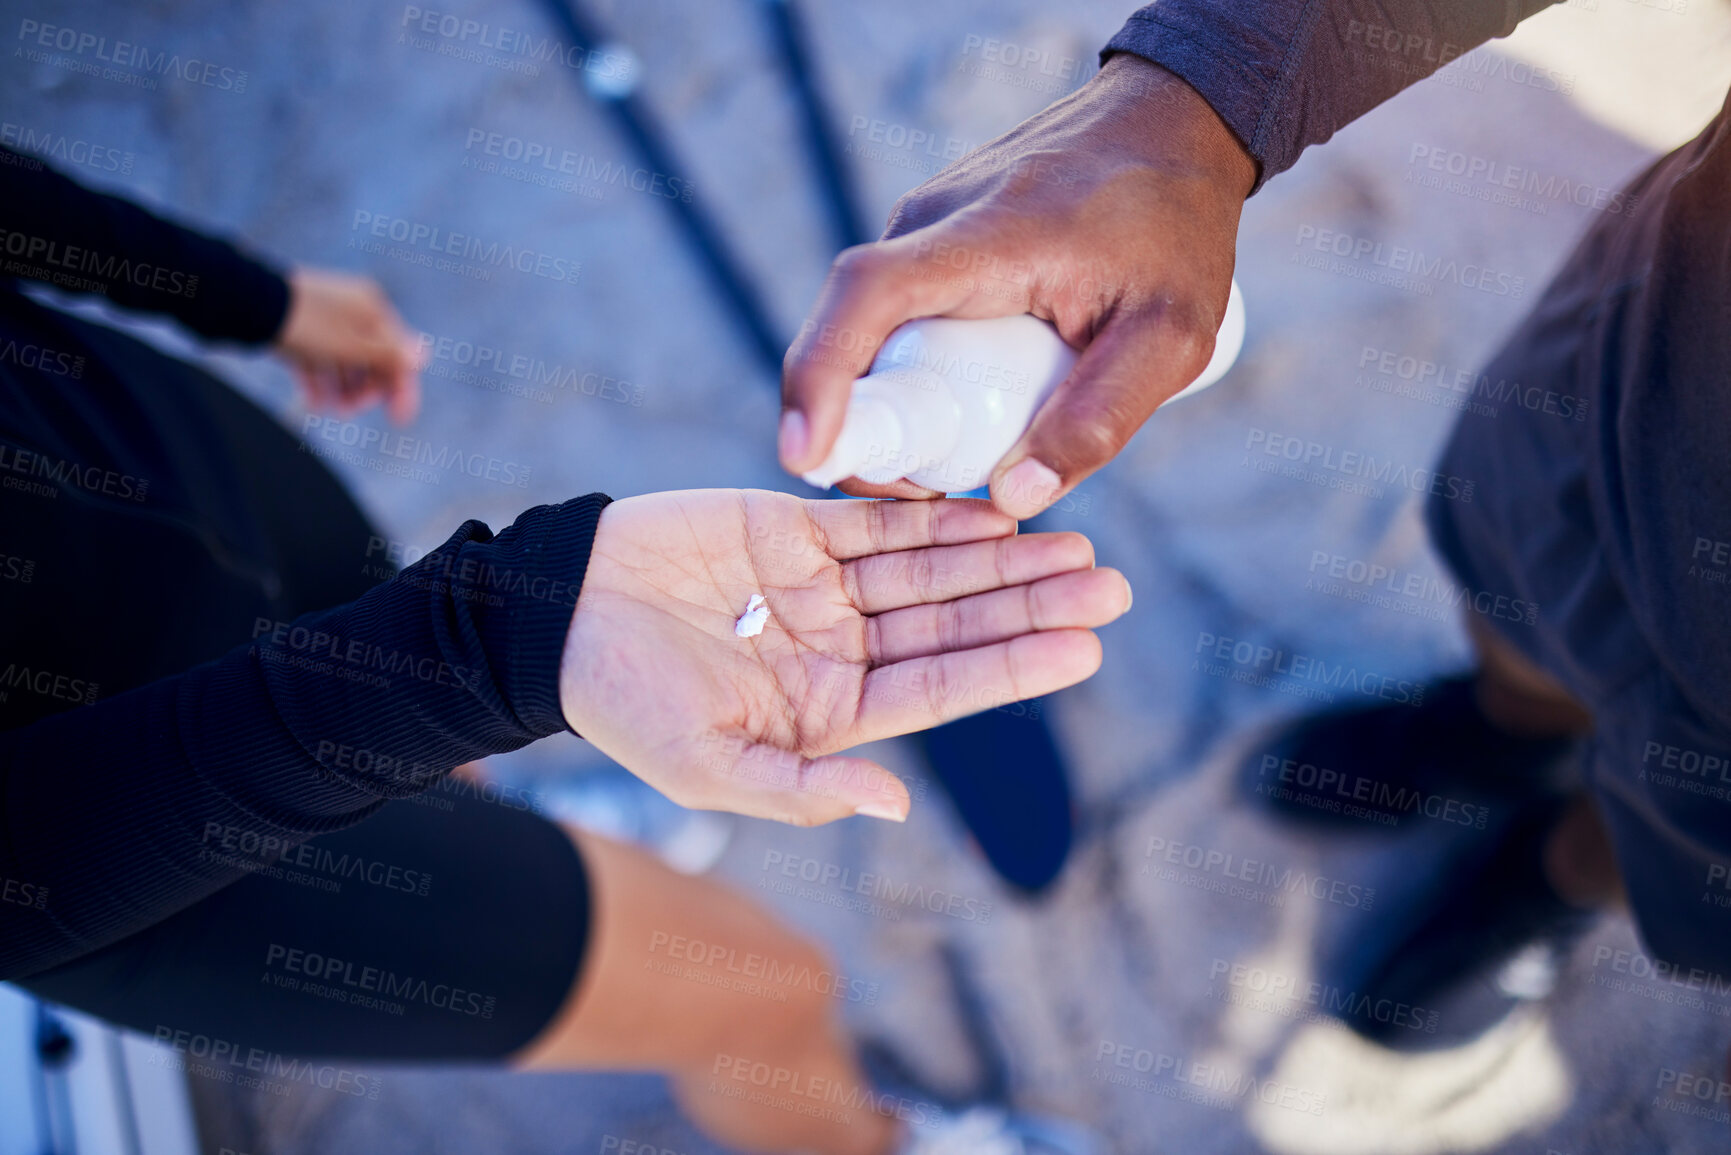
[(750, 623)]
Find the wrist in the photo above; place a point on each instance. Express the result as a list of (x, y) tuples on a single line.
[(293, 309), (1164, 117)]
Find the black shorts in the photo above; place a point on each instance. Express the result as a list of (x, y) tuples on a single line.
[(1602, 497), (448, 926)]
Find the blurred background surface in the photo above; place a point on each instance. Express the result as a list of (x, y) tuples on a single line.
[(638, 379)]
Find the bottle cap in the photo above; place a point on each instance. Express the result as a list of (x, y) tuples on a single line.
[(872, 431), (897, 419)]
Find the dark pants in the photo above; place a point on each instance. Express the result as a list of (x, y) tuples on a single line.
[(1603, 494), (451, 926)]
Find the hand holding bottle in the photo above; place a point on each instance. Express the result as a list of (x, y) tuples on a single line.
[(1113, 214)]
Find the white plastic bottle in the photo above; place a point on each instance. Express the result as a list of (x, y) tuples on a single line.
[(946, 399)]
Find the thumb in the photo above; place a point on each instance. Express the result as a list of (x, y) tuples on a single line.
[(1133, 365), (765, 781), (871, 290)]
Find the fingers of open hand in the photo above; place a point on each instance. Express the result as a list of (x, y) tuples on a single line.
[(915, 577), (1084, 599), (921, 692), (765, 781), (856, 529)]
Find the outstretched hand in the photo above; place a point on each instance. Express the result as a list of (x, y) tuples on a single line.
[(884, 618), (347, 346)]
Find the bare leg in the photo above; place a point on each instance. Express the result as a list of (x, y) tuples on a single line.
[(1521, 698), (643, 1003)]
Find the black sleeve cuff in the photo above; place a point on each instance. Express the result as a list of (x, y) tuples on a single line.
[(540, 563)]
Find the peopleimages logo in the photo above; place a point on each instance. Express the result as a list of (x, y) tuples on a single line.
[(248, 849), (387, 451), (813, 1095), (1427, 375), (1021, 66), (1256, 664), (1266, 876), (48, 684), (30, 894), (1375, 578), (43, 39), (1284, 990), (43, 359), (367, 661), (1399, 265), (1350, 470), (476, 40), (1207, 1084), (228, 1062), (880, 895), (556, 161), (324, 970), (65, 150), (1359, 797), (1485, 178), (500, 370), (17, 569), (1688, 1093), (751, 972), (58, 259), (430, 245), (1661, 982)]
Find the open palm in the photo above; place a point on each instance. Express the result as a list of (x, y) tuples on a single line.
[(884, 618)]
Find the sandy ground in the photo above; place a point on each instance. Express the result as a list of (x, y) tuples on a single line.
[(341, 116)]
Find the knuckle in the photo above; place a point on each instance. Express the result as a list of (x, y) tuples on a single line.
[(952, 628), (1188, 345), (1094, 434), (851, 588), (1034, 606), (941, 686), (912, 211), (861, 262), (877, 526)]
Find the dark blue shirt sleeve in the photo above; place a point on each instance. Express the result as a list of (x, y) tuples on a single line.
[(106, 812), (1287, 74)]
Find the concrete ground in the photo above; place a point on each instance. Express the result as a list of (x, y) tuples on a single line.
[(345, 114)]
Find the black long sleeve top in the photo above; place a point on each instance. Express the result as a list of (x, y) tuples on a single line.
[(116, 759), (56, 231)]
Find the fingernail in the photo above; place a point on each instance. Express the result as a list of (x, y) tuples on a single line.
[(881, 810), (1028, 488), (793, 439)]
